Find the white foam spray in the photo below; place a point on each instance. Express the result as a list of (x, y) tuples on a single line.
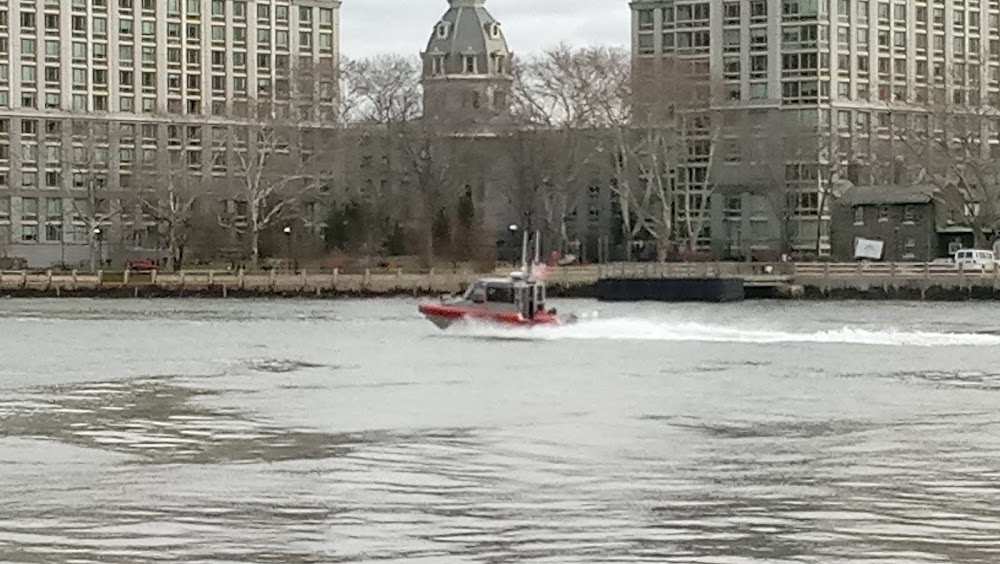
[(633, 329)]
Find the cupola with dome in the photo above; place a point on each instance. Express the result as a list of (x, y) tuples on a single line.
[(467, 68)]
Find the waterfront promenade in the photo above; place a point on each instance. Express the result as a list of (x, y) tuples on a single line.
[(811, 280)]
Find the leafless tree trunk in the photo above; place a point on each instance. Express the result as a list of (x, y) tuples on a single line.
[(170, 198), (567, 95), (383, 105), (950, 145), (753, 156), (274, 172), (382, 90), (90, 169)]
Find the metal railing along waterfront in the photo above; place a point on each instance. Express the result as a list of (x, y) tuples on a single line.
[(385, 281), (799, 272), (302, 281)]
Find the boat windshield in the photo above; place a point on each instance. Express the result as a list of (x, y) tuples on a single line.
[(500, 293), (474, 289), (490, 292)]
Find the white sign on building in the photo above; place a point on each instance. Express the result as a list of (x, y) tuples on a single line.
[(868, 248)]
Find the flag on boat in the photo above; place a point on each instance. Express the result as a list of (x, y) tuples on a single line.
[(539, 271)]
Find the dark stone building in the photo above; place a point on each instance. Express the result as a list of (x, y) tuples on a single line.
[(466, 146), (904, 218)]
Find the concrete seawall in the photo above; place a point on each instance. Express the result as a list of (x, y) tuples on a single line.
[(919, 290), (231, 284), (209, 284), (569, 282)]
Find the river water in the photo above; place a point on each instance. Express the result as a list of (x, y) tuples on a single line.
[(355, 431)]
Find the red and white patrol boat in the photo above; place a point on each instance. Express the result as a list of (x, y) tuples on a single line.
[(515, 300)]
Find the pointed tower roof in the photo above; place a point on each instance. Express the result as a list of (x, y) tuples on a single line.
[(467, 29)]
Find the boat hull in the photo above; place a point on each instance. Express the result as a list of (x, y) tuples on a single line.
[(445, 315)]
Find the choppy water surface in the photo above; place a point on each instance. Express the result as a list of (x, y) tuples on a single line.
[(357, 432)]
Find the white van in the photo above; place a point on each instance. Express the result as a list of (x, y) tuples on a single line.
[(975, 259)]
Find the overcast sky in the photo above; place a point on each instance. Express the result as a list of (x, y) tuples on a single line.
[(369, 27)]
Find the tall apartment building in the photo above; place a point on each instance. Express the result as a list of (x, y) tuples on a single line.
[(94, 92), (855, 70)]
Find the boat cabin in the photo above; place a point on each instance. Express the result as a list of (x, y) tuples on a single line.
[(508, 294)]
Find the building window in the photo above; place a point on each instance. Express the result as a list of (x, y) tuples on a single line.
[(53, 209), (646, 20), (29, 232), (29, 208), (859, 215), (883, 213), (325, 17), (438, 64), (54, 232), (326, 42), (470, 64), (442, 30), (731, 13), (909, 214)]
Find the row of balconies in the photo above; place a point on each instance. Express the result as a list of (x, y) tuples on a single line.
[(282, 12)]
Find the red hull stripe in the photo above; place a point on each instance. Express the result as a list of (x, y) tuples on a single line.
[(454, 313)]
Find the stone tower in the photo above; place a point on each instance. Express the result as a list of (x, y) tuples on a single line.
[(467, 70)]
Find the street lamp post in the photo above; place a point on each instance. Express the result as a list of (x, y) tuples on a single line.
[(62, 247), (288, 240), (100, 246), (513, 228)]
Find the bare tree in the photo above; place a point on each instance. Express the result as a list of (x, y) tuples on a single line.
[(168, 195), (660, 125), (951, 144), (383, 105), (100, 204), (406, 166), (272, 175), (567, 96), (429, 159), (652, 196), (384, 89), (756, 151), (284, 147)]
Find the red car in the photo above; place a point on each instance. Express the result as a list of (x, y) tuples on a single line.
[(143, 265)]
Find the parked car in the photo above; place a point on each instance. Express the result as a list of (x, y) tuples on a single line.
[(143, 265), (975, 259)]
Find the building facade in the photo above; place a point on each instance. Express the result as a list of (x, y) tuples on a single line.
[(903, 218), (466, 147), (96, 94), (467, 79), (856, 72)]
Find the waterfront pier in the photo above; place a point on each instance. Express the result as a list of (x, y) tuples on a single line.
[(775, 280)]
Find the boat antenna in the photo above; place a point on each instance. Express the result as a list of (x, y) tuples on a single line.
[(524, 253), (538, 247)]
